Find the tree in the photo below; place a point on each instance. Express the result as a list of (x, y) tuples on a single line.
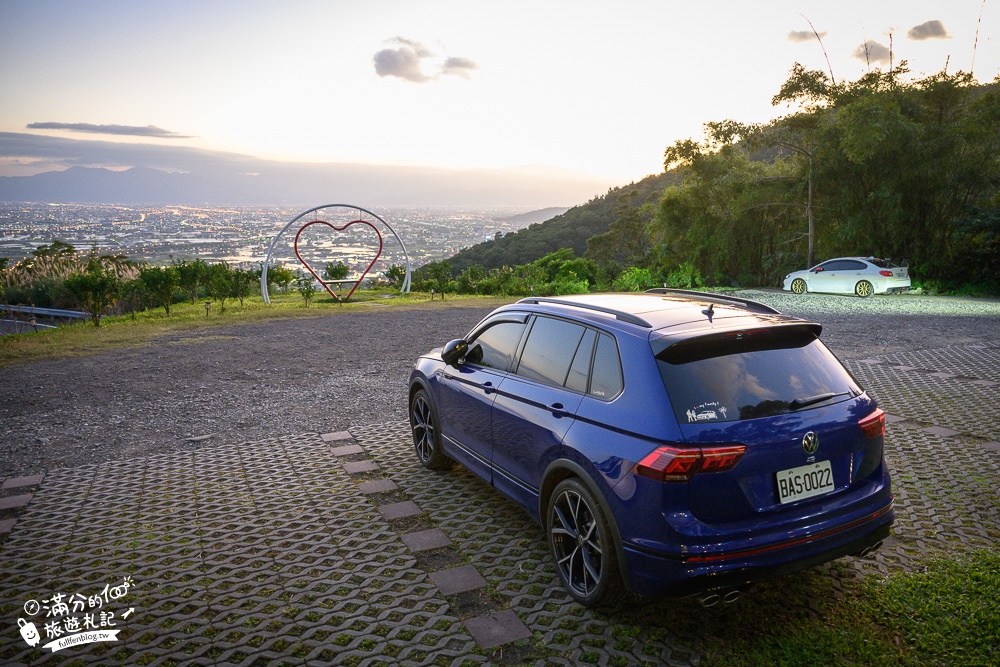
[(95, 289), (395, 275), (307, 288), (336, 271), (135, 293), (243, 283), (471, 279), (634, 279), (439, 274), (220, 283), (192, 274), (161, 282), (282, 276), (55, 249)]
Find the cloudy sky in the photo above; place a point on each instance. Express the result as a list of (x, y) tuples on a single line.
[(595, 87)]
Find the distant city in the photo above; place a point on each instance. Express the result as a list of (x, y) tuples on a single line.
[(242, 235)]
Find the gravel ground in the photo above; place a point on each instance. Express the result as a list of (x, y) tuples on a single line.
[(244, 383)]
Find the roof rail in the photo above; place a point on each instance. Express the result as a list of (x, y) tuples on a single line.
[(619, 314), (717, 298)]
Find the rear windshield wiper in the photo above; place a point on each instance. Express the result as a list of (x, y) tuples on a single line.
[(812, 400)]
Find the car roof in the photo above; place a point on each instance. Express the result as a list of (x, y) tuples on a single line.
[(662, 310)]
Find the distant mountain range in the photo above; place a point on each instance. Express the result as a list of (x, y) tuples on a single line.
[(73, 171)]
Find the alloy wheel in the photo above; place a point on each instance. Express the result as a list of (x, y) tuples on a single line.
[(577, 542), (422, 420)]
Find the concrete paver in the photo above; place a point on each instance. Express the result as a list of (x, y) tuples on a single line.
[(272, 551)]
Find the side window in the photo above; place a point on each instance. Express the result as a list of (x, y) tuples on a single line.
[(606, 380), (579, 372), (495, 347), (549, 350), (854, 265)]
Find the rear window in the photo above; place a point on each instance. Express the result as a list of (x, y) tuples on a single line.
[(751, 375)]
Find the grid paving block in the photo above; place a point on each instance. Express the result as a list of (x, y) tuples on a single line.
[(19, 482), (400, 510), (355, 467), (942, 431), (496, 629), (15, 502), (337, 436), (377, 486), (347, 450), (7, 525), (425, 540), (456, 580), (992, 446)]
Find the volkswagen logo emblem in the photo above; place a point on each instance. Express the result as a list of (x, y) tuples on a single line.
[(810, 442)]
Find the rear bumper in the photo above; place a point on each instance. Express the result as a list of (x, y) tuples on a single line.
[(657, 574)]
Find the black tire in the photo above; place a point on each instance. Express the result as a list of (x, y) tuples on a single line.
[(424, 424), (583, 545), (863, 289), (799, 286)]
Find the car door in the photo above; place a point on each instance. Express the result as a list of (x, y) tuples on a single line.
[(537, 402), (853, 272), (827, 277), (469, 389)]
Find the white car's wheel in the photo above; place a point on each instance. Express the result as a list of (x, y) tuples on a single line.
[(799, 286), (863, 289)]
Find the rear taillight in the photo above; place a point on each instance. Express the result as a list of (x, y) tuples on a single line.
[(887, 274), (873, 425), (672, 464)]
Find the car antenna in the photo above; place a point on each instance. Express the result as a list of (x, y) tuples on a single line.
[(710, 311)]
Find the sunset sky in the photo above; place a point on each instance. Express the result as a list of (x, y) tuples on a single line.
[(595, 87)]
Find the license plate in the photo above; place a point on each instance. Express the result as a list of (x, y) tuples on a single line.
[(806, 481)]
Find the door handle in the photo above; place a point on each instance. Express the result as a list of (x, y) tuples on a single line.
[(488, 387), (558, 410)]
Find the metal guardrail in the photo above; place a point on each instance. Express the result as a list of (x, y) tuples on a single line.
[(45, 312)]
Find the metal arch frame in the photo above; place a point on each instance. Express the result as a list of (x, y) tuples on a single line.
[(405, 289)]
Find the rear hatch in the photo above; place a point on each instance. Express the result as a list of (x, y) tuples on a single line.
[(783, 395), (895, 270)]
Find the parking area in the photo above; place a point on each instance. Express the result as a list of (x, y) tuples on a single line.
[(338, 548)]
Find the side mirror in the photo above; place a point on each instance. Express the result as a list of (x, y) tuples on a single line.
[(818, 269), (454, 351)]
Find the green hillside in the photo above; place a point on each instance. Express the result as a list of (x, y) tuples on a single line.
[(569, 230)]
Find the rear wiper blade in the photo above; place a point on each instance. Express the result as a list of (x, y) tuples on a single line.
[(812, 400)]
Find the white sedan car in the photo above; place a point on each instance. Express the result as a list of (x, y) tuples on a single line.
[(863, 276)]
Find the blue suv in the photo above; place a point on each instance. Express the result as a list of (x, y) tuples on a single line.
[(671, 442)]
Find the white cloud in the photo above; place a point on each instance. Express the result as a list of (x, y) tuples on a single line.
[(928, 30), (410, 60), (804, 36), (872, 52)]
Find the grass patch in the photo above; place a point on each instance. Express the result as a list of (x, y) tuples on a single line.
[(123, 332), (945, 615)]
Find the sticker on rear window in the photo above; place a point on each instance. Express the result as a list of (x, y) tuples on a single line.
[(706, 412)]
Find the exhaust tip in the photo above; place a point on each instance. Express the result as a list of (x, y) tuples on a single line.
[(709, 599), (732, 596), (868, 551)]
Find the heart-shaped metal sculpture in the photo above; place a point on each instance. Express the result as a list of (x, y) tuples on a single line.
[(339, 229)]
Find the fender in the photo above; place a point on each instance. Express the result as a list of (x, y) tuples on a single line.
[(561, 469)]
